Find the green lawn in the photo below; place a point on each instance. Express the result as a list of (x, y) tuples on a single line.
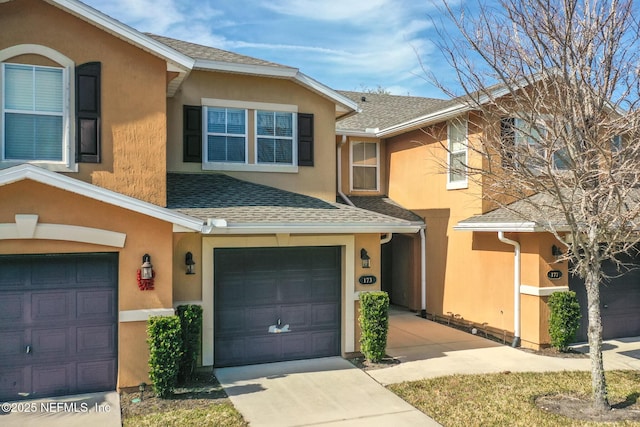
[(507, 399), (217, 414)]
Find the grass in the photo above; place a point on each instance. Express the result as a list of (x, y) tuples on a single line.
[(217, 414), (508, 399)]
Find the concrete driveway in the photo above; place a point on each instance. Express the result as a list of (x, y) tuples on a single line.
[(327, 392), (429, 349)]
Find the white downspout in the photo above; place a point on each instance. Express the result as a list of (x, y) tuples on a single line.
[(339, 166), (423, 272), (516, 288)]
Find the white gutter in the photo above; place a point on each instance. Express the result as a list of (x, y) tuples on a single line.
[(386, 239), (327, 228), (339, 166), (516, 288), (423, 272)]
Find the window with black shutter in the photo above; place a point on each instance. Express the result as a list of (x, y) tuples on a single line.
[(305, 139), (88, 112), (192, 134)]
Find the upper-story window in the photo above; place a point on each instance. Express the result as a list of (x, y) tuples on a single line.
[(457, 154), (226, 135), (33, 113), (247, 136), (524, 145), (365, 166), (275, 137)]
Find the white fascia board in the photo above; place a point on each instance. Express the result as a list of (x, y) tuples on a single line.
[(512, 227), (356, 133), (63, 182), (125, 32), (343, 104), (247, 228), (253, 69)]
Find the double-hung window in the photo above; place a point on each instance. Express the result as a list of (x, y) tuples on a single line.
[(275, 137), (33, 113), (525, 145), (457, 154), (226, 132), (364, 166)]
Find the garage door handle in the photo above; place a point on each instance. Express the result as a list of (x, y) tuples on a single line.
[(606, 306), (28, 349)]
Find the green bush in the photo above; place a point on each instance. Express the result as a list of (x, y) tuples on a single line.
[(374, 322), (165, 350), (191, 327), (564, 319)]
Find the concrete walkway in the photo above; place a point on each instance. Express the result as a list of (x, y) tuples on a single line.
[(428, 349), (93, 409), (319, 392)]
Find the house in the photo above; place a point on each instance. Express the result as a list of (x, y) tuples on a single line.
[(480, 267), (138, 173)]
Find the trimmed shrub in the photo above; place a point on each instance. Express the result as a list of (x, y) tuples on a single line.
[(191, 327), (165, 350), (374, 322), (564, 320)]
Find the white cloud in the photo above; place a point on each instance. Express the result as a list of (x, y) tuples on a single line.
[(327, 10)]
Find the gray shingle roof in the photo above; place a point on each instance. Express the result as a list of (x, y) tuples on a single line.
[(382, 111), (385, 206), (197, 51), (239, 202)]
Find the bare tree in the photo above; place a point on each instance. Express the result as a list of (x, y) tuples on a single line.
[(555, 84)]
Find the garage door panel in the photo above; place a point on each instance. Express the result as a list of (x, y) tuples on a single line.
[(294, 289), (13, 345), (15, 380), (325, 315), (261, 290), (230, 321), (50, 306), (95, 271), (96, 375), (95, 339), (259, 319), (12, 274), (51, 273), (296, 316), (48, 380), (11, 308), (229, 349), (95, 304), (324, 288), (232, 290), (295, 345), (50, 342), (324, 343)]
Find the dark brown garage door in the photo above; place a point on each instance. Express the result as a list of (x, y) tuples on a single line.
[(619, 302), (259, 291), (57, 324)]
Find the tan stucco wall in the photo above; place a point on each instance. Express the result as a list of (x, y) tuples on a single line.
[(187, 287), (143, 235), (318, 180), (133, 94)]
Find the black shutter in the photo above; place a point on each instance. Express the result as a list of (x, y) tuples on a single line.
[(305, 139), (192, 133), (88, 112)]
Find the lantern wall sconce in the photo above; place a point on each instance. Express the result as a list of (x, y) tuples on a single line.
[(364, 257), (190, 263), (556, 252), (146, 269)]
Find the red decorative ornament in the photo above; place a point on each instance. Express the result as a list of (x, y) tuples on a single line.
[(145, 284)]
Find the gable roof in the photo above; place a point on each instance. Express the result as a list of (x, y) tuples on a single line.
[(182, 57), (233, 206), (63, 182)]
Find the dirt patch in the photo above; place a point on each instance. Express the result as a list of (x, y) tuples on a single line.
[(202, 391), (362, 363), (580, 408)]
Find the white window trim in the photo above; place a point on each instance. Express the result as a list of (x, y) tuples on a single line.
[(205, 139), (68, 162), (377, 166), (293, 138), (250, 165), (464, 183)]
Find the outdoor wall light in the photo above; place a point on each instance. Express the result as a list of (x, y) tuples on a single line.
[(146, 269), (190, 263), (556, 252), (364, 257)]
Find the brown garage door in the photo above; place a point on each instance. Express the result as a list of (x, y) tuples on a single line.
[(259, 288), (619, 302), (58, 326)]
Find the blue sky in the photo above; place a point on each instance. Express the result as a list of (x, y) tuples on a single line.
[(345, 44)]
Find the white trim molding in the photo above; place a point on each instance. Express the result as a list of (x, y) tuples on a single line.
[(144, 314), (27, 227), (541, 292)]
